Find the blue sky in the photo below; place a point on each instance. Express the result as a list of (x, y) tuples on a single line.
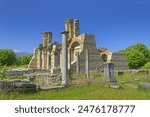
[(116, 24)]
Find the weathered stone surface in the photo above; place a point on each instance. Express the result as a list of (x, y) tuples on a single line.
[(78, 64), (87, 70), (55, 71), (115, 86), (144, 85), (142, 71), (64, 59), (120, 73), (109, 72), (24, 85), (51, 88), (13, 85), (118, 59)]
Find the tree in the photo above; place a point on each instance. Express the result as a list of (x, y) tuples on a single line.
[(137, 55), (136, 59), (7, 57)]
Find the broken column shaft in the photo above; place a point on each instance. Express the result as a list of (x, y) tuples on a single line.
[(39, 59), (87, 63), (69, 59), (64, 59), (78, 64), (109, 72), (48, 59)]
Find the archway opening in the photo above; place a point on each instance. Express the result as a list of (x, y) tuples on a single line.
[(75, 48), (104, 57)]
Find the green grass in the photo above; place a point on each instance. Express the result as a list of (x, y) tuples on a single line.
[(146, 66), (92, 89), (17, 67)]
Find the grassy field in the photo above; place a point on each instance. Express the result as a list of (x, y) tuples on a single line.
[(92, 89)]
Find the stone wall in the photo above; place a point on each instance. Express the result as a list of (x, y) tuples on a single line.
[(33, 62), (21, 72), (47, 80), (17, 85), (119, 61), (94, 58)]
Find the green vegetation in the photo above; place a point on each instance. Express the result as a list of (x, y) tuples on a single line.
[(2, 72), (94, 88), (137, 55), (146, 66), (7, 57), (23, 60), (136, 59)]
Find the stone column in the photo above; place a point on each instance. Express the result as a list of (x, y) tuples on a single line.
[(61, 61), (109, 72), (48, 59), (39, 59), (78, 64), (43, 59), (87, 63), (69, 59), (64, 59)]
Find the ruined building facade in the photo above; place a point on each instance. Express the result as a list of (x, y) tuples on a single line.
[(48, 54)]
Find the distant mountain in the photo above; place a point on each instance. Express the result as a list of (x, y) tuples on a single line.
[(19, 54)]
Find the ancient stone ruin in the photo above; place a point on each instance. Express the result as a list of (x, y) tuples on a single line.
[(48, 55), (119, 59), (53, 62)]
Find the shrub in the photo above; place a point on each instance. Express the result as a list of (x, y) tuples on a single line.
[(2, 72), (137, 55), (23, 60)]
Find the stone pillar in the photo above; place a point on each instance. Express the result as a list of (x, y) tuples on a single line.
[(76, 28), (69, 58), (78, 64), (48, 59), (47, 38), (87, 63), (39, 59), (61, 61), (109, 72), (64, 59), (43, 59)]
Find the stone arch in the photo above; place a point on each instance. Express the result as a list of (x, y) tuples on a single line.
[(75, 47), (104, 57)]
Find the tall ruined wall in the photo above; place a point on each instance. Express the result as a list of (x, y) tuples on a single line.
[(72, 26), (33, 62), (119, 61), (46, 39), (39, 59)]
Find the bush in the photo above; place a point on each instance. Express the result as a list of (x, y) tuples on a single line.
[(137, 55), (23, 60), (2, 72), (136, 59)]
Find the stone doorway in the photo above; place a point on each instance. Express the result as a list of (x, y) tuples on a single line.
[(75, 48)]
